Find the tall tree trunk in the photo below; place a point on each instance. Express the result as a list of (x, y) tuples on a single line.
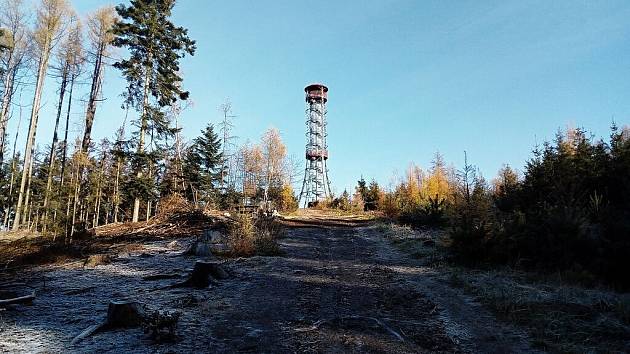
[(27, 205), (53, 147), (64, 155), (94, 93), (97, 204), (68, 205), (116, 190), (75, 199), (14, 166), (30, 140), (143, 128)]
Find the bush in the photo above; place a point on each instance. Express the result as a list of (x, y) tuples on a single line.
[(241, 237), (247, 238), (268, 232)]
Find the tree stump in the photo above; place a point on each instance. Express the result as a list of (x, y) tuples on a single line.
[(120, 314), (124, 314), (203, 273)]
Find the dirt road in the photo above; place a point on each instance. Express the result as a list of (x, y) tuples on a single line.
[(337, 290)]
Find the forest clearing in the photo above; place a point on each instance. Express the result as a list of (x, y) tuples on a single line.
[(324, 294), (362, 286)]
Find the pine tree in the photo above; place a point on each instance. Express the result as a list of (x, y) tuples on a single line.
[(155, 46), (373, 195), (202, 165), (361, 188)]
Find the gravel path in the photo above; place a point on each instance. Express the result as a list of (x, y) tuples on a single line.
[(337, 290)]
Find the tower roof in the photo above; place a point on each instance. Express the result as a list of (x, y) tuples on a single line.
[(316, 86)]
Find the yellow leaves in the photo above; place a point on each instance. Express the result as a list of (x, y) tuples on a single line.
[(418, 186), (100, 23), (51, 16), (287, 199)]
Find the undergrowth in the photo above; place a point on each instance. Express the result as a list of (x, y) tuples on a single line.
[(248, 237), (560, 318)]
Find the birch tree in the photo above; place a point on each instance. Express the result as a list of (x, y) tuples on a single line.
[(275, 161), (50, 18), (226, 126)]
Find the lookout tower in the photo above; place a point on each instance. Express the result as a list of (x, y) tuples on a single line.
[(316, 186)]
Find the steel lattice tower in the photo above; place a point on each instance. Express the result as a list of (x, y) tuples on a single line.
[(316, 184)]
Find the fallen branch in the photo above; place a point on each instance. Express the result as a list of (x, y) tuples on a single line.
[(27, 299), (161, 276), (79, 290), (378, 322), (87, 332)]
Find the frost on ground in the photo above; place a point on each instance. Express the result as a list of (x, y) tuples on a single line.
[(335, 290), (559, 317)]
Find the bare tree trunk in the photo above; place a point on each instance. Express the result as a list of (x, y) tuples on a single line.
[(143, 128), (68, 205), (116, 191), (29, 173), (74, 206), (94, 93), (30, 140), (53, 147), (97, 204), (14, 166), (149, 201), (64, 156)]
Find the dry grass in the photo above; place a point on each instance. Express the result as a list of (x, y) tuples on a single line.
[(40, 250), (269, 231), (246, 238), (328, 218), (426, 244), (241, 237), (176, 218), (97, 259), (10, 236), (559, 317)]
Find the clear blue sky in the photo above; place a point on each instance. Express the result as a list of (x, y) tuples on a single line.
[(407, 78)]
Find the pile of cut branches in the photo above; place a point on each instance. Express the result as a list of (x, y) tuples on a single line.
[(176, 217)]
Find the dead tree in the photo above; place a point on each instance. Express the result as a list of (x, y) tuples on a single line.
[(50, 17), (68, 54)]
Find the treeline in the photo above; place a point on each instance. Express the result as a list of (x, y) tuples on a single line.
[(568, 211), (62, 183)]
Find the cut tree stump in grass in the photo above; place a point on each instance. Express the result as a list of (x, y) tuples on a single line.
[(203, 275), (120, 314)]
